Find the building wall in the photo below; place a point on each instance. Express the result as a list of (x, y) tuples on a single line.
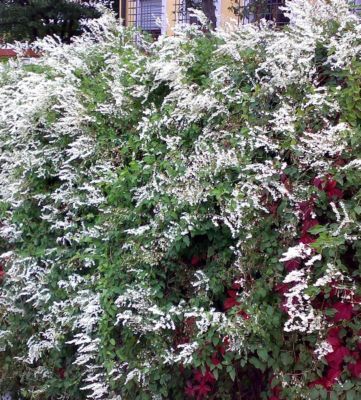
[(169, 16), (224, 12)]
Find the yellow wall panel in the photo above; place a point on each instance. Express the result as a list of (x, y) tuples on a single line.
[(226, 12)]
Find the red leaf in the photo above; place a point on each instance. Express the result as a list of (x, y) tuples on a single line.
[(282, 288), (272, 208), (2, 272), (306, 208), (327, 381), (221, 349), (335, 359), (331, 376), (243, 314), (198, 376), (291, 265), (355, 369), (343, 311), (190, 390), (334, 194), (307, 239), (333, 337), (232, 293), (229, 303), (214, 359), (318, 183), (308, 224), (196, 261), (207, 377), (319, 381), (203, 389), (330, 184), (60, 372)]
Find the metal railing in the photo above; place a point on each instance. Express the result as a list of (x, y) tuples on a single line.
[(250, 11), (183, 15), (146, 15)]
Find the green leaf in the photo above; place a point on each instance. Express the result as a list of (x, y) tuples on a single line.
[(286, 358), (263, 354), (318, 229), (232, 374), (357, 210), (351, 395)]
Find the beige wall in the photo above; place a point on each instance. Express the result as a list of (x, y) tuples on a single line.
[(170, 16), (226, 12)]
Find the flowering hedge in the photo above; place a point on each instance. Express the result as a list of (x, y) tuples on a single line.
[(181, 219)]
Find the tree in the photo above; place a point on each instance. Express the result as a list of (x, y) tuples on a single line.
[(31, 19)]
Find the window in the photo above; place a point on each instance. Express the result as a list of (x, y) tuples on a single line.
[(146, 15), (182, 14), (255, 10), (356, 6)]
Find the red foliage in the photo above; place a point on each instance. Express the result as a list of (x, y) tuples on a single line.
[(273, 207), (236, 285), (276, 391), (282, 288), (207, 377), (318, 183), (344, 311), (2, 273), (355, 369), (214, 359), (307, 225), (230, 302), (196, 261), (307, 239), (291, 265), (327, 381), (201, 385), (203, 389), (333, 337), (60, 372), (328, 185), (306, 208), (335, 359), (190, 390), (243, 314)]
